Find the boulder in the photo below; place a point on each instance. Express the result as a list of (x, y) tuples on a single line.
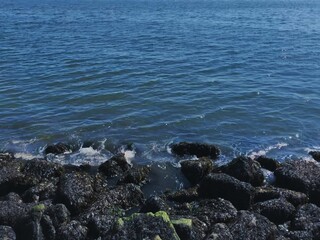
[(195, 149), (59, 214), (75, 190), (48, 230), (72, 231), (307, 219), (195, 170), (219, 231), (315, 155), (268, 163), (115, 166), (209, 211), (42, 191), (252, 226), (183, 195), (135, 175), (244, 169), (277, 211), (224, 186), (189, 228), (298, 235), (12, 212), (7, 233), (154, 204), (268, 192), (145, 226), (58, 148), (302, 176)]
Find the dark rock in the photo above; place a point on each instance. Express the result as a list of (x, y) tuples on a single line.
[(244, 169), (42, 191), (7, 233), (48, 230), (184, 195), (72, 231), (57, 148), (12, 197), (12, 212), (277, 211), (252, 226), (301, 176), (268, 163), (135, 175), (209, 211), (145, 226), (221, 185), (299, 235), (195, 149), (75, 190), (58, 214), (154, 204), (189, 228), (195, 170), (115, 166), (4, 157), (268, 192), (307, 219), (315, 155), (100, 225), (219, 231)]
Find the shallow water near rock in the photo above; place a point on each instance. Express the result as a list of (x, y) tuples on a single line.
[(240, 74)]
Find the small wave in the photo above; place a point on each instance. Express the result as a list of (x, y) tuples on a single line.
[(27, 156), (266, 150)]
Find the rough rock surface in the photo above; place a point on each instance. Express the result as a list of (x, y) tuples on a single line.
[(244, 169), (115, 166), (195, 170), (57, 148), (315, 155), (136, 175), (268, 163), (72, 231), (7, 233), (154, 204), (183, 195), (195, 149), (222, 185), (276, 210), (219, 231)]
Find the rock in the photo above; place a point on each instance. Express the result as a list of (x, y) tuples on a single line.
[(252, 226), (302, 176), (101, 225), (135, 175), (298, 235), (268, 163), (184, 195), (57, 149), (72, 231), (42, 191), (58, 214), (154, 204), (42, 170), (115, 166), (5, 156), (307, 219), (277, 211), (189, 228), (12, 197), (75, 190), (315, 155), (268, 192), (48, 230), (7, 233), (12, 212), (244, 169), (209, 211), (145, 226), (195, 170), (219, 231), (224, 186), (195, 149)]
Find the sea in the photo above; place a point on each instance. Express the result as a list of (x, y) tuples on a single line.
[(136, 76)]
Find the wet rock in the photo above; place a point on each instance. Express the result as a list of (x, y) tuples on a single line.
[(58, 148), (307, 219), (268, 192), (315, 155), (145, 226), (195, 149), (251, 226), (42, 170), (244, 169), (7, 233), (75, 190), (219, 231), (115, 166), (154, 204), (42, 191), (59, 214), (224, 186), (4, 157), (72, 231), (12, 197), (195, 170), (268, 163), (184, 195), (135, 175), (101, 225), (12, 212), (209, 211), (189, 228), (277, 211), (48, 230), (302, 176), (299, 235)]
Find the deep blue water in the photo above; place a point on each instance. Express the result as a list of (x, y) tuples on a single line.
[(242, 74)]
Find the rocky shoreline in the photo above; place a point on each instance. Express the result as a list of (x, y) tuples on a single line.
[(40, 199)]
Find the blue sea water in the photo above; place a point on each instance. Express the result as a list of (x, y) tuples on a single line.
[(242, 74)]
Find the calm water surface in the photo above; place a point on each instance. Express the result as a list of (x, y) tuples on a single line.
[(240, 74)]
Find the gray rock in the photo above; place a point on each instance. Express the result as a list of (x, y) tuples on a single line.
[(115, 166), (195, 149), (7, 233), (195, 170), (59, 214), (72, 231), (219, 231), (224, 186)]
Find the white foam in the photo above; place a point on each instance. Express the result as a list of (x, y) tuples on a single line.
[(129, 155), (89, 151), (266, 150), (27, 156)]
